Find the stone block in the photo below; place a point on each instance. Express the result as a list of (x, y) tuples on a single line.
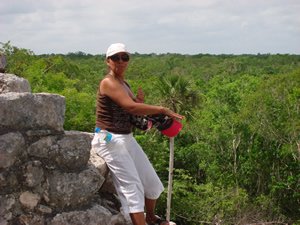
[(26, 111), (13, 83), (11, 146), (72, 189)]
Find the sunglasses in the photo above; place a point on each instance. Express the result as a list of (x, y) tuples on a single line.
[(117, 58)]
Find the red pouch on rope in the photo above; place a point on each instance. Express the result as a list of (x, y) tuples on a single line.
[(166, 125)]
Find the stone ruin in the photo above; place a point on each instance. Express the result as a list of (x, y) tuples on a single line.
[(49, 176)]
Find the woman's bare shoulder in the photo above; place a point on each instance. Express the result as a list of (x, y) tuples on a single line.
[(108, 85), (107, 80)]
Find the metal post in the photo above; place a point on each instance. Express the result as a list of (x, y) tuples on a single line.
[(171, 166)]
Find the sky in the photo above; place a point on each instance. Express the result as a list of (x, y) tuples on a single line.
[(153, 26)]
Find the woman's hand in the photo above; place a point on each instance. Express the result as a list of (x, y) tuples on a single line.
[(172, 114), (140, 95)]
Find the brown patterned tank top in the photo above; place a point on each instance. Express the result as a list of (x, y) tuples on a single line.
[(111, 117)]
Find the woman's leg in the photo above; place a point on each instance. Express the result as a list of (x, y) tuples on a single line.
[(150, 209), (138, 218), (151, 182), (124, 175)]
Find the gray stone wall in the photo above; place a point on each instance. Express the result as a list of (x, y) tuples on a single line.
[(48, 176)]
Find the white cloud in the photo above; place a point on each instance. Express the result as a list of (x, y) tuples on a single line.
[(190, 26)]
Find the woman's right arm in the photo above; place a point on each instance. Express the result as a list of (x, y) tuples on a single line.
[(113, 89)]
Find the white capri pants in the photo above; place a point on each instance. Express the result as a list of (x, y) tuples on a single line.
[(132, 173)]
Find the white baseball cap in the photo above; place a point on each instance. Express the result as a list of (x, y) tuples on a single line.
[(116, 48)]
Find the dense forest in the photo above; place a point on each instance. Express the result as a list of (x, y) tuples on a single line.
[(237, 160)]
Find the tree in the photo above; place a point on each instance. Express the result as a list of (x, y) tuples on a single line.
[(273, 117), (179, 94), (176, 94)]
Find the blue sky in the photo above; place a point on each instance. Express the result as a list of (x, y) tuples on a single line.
[(174, 26)]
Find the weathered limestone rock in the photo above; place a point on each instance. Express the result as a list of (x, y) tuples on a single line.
[(72, 189), (30, 219), (96, 215), (26, 111), (108, 185), (6, 204), (45, 171), (33, 174), (11, 146), (44, 209), (98, 162), (119, 219), (73, 151), (69, 151), (29, 200), (8, 181), (13, 83), (42, 147)]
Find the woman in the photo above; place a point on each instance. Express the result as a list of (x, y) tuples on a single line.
[(135, 180)]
